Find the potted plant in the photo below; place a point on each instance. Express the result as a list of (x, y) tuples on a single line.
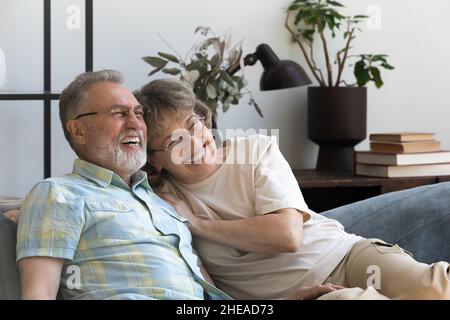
[(337, 111), (205, 69)]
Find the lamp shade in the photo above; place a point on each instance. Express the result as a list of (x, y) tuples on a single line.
[(279, 74)]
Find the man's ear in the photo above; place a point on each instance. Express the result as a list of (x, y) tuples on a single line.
[(77, 131)]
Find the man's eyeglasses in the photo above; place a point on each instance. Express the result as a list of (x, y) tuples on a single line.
[(195, 126), (119, 113)]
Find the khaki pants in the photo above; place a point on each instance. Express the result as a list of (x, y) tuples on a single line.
[(354, 294), (392, 271)]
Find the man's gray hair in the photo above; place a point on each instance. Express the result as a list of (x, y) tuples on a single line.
[(75, 94)]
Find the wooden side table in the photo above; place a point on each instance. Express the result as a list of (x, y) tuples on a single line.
[(327, 190)]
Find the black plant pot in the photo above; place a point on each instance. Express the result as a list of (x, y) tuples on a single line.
[(337, 121)]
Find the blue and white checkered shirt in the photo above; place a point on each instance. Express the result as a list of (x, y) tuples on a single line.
[(118, 242)]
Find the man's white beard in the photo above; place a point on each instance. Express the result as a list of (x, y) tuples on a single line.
[(131, 162), (110, 153)]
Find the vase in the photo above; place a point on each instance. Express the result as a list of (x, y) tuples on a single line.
[(337, 121)]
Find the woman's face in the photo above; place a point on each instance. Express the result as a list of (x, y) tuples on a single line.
[(185, 148)]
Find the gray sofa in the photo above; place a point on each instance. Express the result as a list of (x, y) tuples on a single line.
[(417, 219)]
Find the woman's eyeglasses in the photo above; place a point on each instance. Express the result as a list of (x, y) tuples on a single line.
[(194, 127)]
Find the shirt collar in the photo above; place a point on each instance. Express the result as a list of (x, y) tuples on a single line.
[(105, 177), (140, 178)]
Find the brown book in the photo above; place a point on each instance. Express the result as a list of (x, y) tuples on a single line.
[(405, 147), (424, 170), (401, 159), (402, 136)]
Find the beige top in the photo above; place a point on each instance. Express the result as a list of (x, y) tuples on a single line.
[(254, 180)]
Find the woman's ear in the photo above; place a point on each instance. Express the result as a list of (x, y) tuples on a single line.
[(76, 131)]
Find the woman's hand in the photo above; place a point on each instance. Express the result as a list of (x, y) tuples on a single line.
[(181, 207), (311, 293)]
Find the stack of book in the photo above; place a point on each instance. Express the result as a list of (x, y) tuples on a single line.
[(403, 154)]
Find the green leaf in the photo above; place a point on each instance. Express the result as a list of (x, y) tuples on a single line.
[(196, 65), (211, 91), (297, 3), (337, 15), (303, 15), (156, 62), (214, 76), (204, 68), (257, 108), (387, 66), (191, 77), (378, 57), (335, 3), (376, 77), (153, 72), (308, 35), (226, 77), (330, 21), (361, 73), (235, 100), (225, 106), (322, 25), (172, 71), (169, 57)]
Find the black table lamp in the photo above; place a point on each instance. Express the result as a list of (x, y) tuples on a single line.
[(278, 74)]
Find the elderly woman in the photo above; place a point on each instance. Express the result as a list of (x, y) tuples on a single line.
[(252, 228)]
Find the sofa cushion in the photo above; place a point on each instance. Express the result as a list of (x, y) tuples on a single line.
[(9, 274)]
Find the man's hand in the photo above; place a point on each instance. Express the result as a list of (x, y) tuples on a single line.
[(311, 293), (181, 207), (12, 215)]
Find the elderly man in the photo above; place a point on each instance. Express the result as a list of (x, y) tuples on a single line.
[(100, 232)]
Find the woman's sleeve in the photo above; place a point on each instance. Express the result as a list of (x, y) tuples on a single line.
[(275, 184)]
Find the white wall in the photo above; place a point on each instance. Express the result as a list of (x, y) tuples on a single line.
[(414, 97)]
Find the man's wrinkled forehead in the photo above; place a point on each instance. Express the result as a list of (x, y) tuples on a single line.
[(109, 94)]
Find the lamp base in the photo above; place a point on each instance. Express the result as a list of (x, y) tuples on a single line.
[(336, 159)]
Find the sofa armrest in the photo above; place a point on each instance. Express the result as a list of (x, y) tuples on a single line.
[(9, 273)]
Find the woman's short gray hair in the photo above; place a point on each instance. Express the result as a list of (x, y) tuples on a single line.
[(75, 94), (165, 98)]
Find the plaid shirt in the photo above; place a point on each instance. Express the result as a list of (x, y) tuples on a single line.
[(118, 242)]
